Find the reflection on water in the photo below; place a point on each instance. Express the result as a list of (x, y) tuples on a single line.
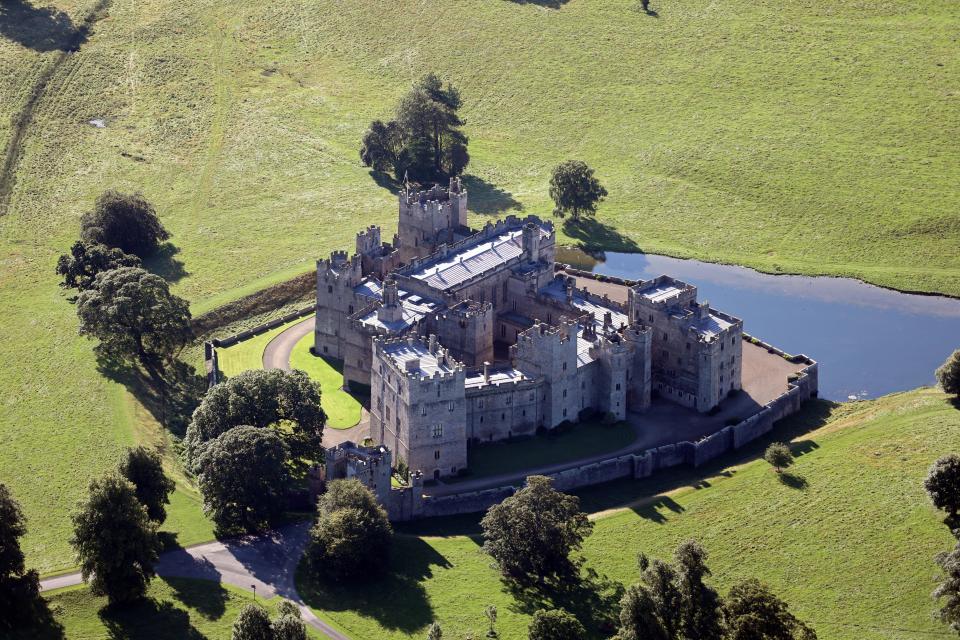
[(869, 341)]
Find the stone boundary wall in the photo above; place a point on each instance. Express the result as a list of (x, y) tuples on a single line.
[(211, 360), (599, 277), (273, 297), (648, 462)]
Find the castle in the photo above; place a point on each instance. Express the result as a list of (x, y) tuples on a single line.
[(467, 336)]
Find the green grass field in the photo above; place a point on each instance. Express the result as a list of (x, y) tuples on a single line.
[(848, 543), (782, 135), (176, 609), (582, 440)]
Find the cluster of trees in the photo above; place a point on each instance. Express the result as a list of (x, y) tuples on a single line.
[(250, 435), (943, 487), (115, 527), (352, 535), (20, 601), (254, 623), (424, 141), (532, 534), (130, 311)]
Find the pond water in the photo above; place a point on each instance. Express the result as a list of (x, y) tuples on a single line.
[(869, 341)]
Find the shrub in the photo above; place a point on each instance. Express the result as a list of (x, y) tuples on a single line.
[(948, 374), (778, 454), (943, 483)]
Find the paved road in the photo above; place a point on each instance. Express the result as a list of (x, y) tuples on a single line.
[(277, 356), (267, 562)]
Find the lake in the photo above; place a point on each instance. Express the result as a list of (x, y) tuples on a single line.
[(869, 341)]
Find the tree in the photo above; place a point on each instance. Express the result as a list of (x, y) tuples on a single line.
[(639, 617), (144, 469), (19, 589), (778, 455), (532, 533), (288, 627), (287, 608), (424, 139), (948, 587), (252, 623), (434, 632), (753, 612), (660, 580), (943, 484), (115, 541), (490, 613), (288, 401), (134, 316), (125, 221), (948, 374), (243, 477), (575, 191), (700, 612), (555, 624), (351, 539), (80, 267)]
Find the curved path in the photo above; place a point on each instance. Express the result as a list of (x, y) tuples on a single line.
[(277, 356), (266, 563)]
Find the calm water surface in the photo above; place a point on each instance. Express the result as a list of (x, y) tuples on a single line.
[(869, 341)]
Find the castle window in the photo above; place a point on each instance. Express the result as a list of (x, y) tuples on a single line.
[(564, 413), (481, 419), (436, 454), (564, 366), (524, 413), (388, 412), (503, 331), (329, 288), (451, 405), (503, 417), (733, 341), (549, 318), (350, 309), (651, 317), (480, 403), (325, 349), (438, 431), (721, 346), (564, 393), (509, 399), (423, 409), (618, 386), (688, 346), (679, 361), (664, 336), (531, 396)]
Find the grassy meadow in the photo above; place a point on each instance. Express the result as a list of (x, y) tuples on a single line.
[(847, 540), (782, 135), (175, 609)]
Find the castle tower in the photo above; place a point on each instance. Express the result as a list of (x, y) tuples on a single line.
[(391, 310), (551, 353), (337, 279), (429, 218)]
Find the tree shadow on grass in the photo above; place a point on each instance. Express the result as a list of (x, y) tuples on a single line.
[(171, 402), (487, 199), (397, 601), (44, 627), (592, 598), (793, 480), (385, 181), (149, 618), (549, 4), (40, 28), (165, 264), (592, 234), (209, 598)]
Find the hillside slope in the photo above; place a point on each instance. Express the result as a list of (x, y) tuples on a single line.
[(849, 544), (783, 135)]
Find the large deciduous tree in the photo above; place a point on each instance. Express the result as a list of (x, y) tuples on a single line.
[(575, 191), (135, 317), (753, 612), (252, 623), (243, 478), (144, 469), (425, 138), (85, 261), (943, 483), (125, 221), (19, 589), (555, 624), (948, 374), (288, 401), (948, 588), (115, 540), (351, 538), (532, 534), (700, 604)]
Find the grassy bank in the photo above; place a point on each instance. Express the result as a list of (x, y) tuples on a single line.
[(779, 135), (855, 496), (176, 609)]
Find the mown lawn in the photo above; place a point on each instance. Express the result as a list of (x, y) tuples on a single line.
[(248, 354), (343, 409), (176, 609), (582, 440), (848, 542), (777, 134)]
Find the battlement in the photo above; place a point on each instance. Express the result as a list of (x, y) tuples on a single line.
[(411, 357), (663, 291), (467, 310), (435, 194)]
